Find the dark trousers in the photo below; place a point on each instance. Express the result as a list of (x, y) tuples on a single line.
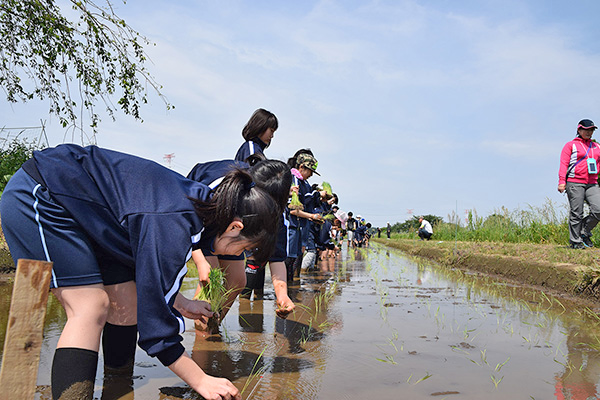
[(423, 234)]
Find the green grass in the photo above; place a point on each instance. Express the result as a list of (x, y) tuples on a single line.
[(540, 225)]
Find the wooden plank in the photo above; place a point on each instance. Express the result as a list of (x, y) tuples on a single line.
[(24, 333)]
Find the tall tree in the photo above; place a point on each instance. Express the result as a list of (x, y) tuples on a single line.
[(73, 64)]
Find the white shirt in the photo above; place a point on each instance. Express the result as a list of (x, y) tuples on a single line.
[(426, 226)]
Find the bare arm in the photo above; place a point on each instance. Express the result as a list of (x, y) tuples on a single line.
[(192, 309), (309, 216), (279, 277), (202, 265)]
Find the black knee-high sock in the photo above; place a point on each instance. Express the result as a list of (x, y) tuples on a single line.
[(298, 265), (289, 266), (73, 373), (118, 346)]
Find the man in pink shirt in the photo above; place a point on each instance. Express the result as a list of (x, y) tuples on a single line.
[(578, 176)]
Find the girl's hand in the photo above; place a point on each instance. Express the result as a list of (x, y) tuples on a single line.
[(192, 309), (207, 386), (213, 388), (284, 307), (562, 187)]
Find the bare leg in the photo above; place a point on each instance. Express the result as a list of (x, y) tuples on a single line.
[(123, 303), (76, 358), (87, 310), (235, 281)]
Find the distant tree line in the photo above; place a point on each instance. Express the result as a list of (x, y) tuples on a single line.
[(411, 225)]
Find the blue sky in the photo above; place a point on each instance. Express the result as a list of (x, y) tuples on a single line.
[(429, 106)]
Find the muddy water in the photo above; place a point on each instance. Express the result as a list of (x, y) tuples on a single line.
[(374, 324)]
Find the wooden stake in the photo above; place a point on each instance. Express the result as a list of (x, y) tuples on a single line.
[(24, 334)]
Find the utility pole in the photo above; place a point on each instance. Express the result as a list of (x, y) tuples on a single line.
[(168, 158)]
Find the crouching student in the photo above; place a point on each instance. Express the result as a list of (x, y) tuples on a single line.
[(360, 233), (270, 175), (119, 230), (275, 178), (212, 174)]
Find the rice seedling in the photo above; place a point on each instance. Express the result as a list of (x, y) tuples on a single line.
[(474, 362), (327, 188), (254, 372), (458, 349), (216, 294), (392, 344), (325, 325), (595, 344), (388, 359), (500, 365), (328, 217), (427, 376), (295, 203), (568, 366), (591, 314), (484, 356), (496, 381)]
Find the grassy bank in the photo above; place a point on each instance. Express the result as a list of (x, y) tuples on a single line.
[(546, 224), (550, 267)]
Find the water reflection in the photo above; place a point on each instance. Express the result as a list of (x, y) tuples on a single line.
[(251, 316), (582, 369), (373, 316)]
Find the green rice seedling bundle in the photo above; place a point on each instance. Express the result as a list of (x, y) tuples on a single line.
[(295, 203), (214, 293), (329, 217), (327, 189)]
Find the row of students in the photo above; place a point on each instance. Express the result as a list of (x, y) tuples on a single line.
[(120, 229)]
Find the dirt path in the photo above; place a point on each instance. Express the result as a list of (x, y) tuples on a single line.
[(566, 273)]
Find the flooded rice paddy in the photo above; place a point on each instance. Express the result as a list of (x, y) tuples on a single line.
[(375, 324)]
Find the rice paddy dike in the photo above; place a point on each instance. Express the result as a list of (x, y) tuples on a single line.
[(556, 269)]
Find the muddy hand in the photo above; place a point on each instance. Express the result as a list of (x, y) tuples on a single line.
[(219, 388), (192, 309), (284, 309)]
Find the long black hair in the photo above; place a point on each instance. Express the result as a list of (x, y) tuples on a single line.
[(259, 122), (275, 178), (239, 197)]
